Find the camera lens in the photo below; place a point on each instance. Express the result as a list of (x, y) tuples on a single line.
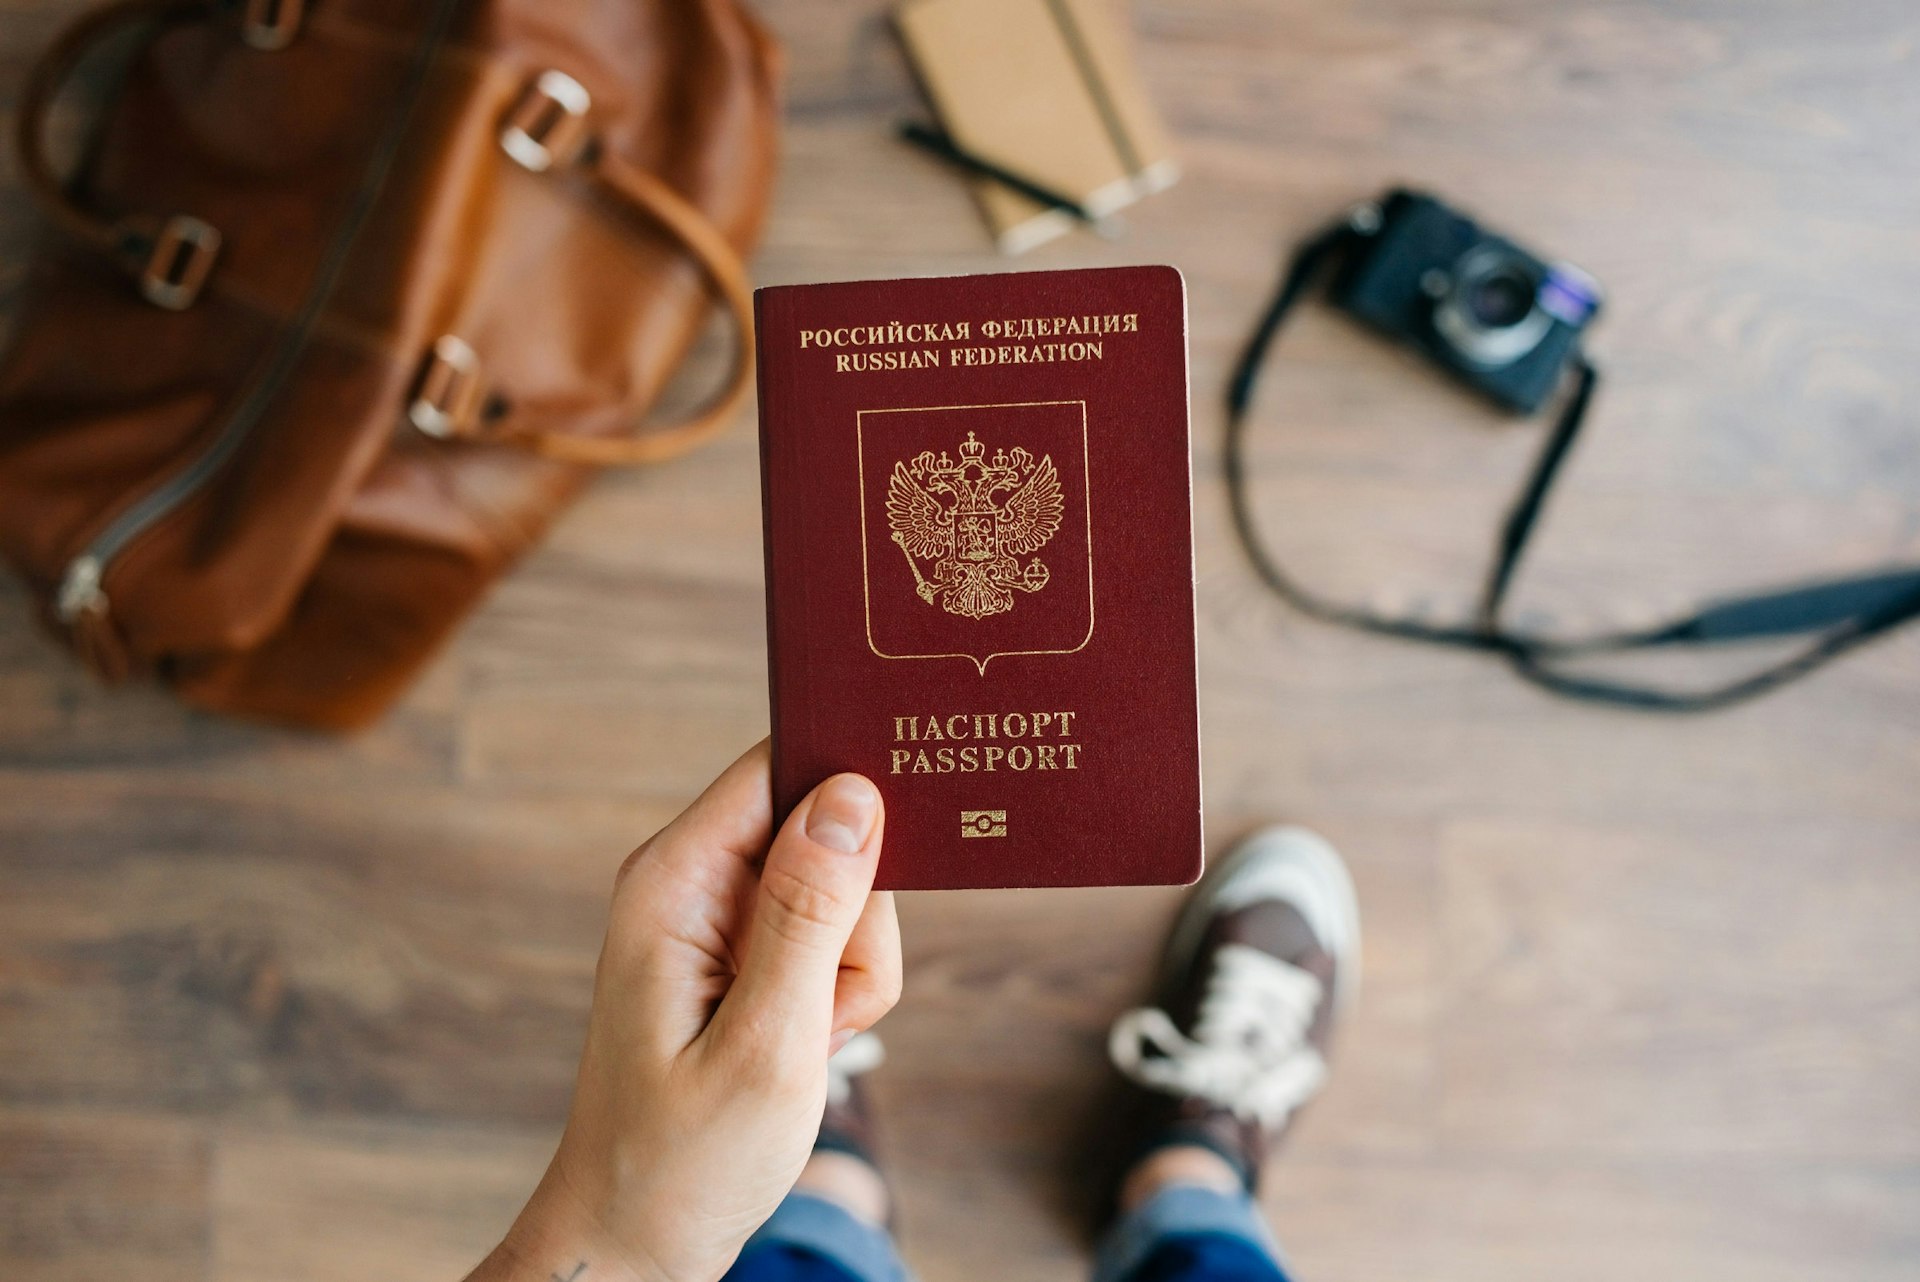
[(1501, 299), (1489, 313)]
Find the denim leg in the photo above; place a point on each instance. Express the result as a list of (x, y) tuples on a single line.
[(809, 1239), (1187, 1233)]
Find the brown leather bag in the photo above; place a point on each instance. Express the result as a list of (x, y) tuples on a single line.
[(353, 295)]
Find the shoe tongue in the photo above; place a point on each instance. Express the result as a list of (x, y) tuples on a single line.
[(1273, 927)]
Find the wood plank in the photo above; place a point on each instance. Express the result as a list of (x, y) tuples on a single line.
[(419, 953), (316, 1204), (103, 1195), (1735, 992), (1467, 1220)]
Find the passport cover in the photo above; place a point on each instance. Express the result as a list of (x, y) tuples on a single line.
[(979, 546)]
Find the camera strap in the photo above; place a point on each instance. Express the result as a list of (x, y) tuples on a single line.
[(1840, 614)]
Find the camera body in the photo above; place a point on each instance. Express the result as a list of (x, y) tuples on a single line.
[(1500, 319)]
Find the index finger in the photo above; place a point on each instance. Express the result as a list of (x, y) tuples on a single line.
[(733, 818)]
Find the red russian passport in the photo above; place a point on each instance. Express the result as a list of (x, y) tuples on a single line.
[(979, 539)]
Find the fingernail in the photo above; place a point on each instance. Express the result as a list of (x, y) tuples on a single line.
[(843, 813), (838, 1042)]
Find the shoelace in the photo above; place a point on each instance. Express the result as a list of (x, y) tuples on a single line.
[(1249, 1051), (861, 1055)]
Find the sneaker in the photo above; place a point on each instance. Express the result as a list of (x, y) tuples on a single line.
[(847, 1126), (1262, 956)]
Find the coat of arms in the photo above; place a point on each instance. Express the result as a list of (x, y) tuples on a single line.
[(972, 519)]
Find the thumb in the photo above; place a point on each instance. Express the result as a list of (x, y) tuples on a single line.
[(813, 888)]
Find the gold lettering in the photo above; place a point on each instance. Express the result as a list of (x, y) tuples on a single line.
[(933, 727)]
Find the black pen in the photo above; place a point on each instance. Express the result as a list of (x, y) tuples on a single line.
[(939, 144)]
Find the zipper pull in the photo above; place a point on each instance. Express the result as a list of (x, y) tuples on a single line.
[(80, 594), (81, 604)]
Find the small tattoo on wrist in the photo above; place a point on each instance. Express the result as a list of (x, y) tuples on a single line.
[(574, 1276)]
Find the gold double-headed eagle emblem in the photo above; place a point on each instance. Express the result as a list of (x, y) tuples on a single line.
[(974, 518)]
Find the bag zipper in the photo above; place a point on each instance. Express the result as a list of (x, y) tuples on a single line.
[(81, 596)]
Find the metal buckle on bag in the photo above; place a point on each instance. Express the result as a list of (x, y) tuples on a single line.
[(178, 264), (447, 397), (549, 122), (271, 24)]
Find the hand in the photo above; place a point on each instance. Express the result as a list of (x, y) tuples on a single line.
[(724, 985)]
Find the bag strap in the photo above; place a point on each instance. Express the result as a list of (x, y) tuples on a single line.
[(653, 199), (548, 131), (167, 254)]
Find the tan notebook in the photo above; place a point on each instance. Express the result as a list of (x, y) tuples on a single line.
[(1047, 90)]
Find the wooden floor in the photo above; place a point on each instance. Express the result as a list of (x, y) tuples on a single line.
[(1642, 996)]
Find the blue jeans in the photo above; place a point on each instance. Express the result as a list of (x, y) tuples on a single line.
[(1183, 1234)]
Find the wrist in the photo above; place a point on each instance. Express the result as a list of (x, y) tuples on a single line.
[(555, 1239)]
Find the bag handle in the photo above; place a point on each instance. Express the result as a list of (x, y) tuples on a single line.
[(168, 255), (651, 197), (547, 130)]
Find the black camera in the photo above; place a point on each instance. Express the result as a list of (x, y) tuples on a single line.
[(1501, 320)]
